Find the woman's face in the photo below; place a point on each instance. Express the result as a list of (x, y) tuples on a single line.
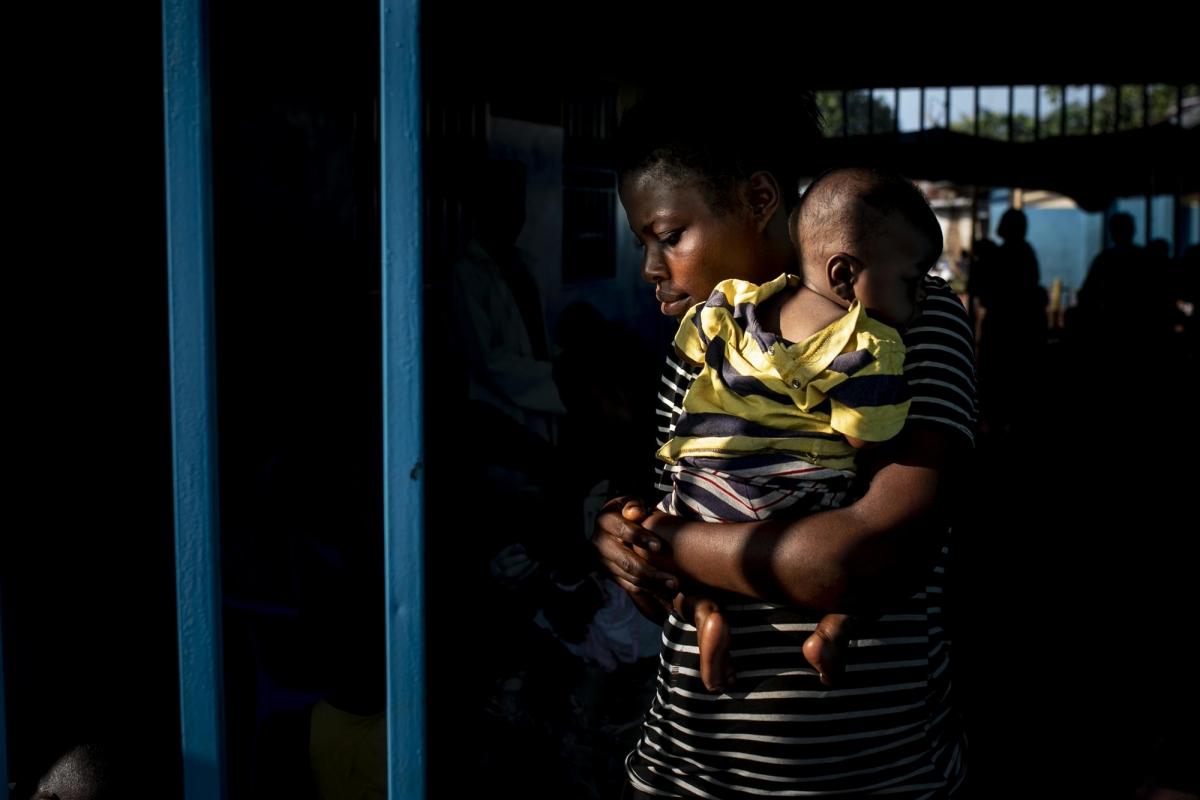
[(689, 247)]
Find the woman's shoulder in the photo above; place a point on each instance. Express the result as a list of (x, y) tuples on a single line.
[(941, 308), (941, 318), (940, 361)]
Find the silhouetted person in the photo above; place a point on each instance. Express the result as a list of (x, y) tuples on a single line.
[(1128, 292), (498, 310), (1187, 294), (514, 407), (508, 523), (983, 258), (1165, 317), (1102, 293), (1159, 250), (1012, 326)]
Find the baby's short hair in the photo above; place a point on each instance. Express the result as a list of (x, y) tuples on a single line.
[(844, 203)]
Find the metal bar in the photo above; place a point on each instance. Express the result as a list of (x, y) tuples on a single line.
[(403, 509), (1149, 226), (1037, 112), (193, 396), (1062, 111), (870, 111), (1091, 103), (3, 713), (1011, 97), (1178, 235), (976, 233), (896, 110), (921, 116), (976, 118)]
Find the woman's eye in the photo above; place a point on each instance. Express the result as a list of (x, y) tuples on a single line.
[(671, 238)]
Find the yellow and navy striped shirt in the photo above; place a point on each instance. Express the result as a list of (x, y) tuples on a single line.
[(757, 393)]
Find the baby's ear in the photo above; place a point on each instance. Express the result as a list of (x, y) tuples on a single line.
[(841, 272)]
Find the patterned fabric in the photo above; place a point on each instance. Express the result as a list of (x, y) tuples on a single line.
[(753, 488), (757, 393), (764, 423)]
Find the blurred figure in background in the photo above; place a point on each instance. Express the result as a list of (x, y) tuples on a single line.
[(1011, 323)]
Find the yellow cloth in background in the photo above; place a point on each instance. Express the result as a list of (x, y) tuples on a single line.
[(348, 754)]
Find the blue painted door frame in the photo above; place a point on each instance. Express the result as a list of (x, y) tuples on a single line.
[(400, 208), (189, 244), (193, 396)]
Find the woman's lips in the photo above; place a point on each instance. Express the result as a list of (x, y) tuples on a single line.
[(673, 305)]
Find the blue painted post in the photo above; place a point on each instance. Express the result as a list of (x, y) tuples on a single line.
[(193, 396), (400, 207), (3, 717)]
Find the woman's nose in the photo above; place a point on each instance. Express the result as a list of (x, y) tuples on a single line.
[(653, 268)]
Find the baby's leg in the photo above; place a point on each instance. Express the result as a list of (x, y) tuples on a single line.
[(824, 649), (712, 638)]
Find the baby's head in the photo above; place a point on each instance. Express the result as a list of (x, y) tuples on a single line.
[(867, 234)]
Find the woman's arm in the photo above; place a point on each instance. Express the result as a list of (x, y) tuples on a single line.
[(850, 557), (844, 559)]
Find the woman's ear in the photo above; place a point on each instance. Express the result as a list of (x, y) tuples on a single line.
[(762, 193), (842, 274)]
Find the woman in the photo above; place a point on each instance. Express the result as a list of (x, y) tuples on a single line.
[(707, 187)]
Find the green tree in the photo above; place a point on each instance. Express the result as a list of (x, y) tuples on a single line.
[(862, 108), (1105, 104), (994, 125), (1110, 105)]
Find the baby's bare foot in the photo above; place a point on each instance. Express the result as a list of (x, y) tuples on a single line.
[(824, 649), (712, 636)]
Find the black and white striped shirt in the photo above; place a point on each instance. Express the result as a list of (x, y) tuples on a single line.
[(887, 728)]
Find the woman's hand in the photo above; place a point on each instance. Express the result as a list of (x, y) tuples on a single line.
[(626, 550)]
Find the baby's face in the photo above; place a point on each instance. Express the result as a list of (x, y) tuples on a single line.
[(896, 260)]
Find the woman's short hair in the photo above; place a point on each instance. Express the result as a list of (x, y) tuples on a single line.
[(720, 136)]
